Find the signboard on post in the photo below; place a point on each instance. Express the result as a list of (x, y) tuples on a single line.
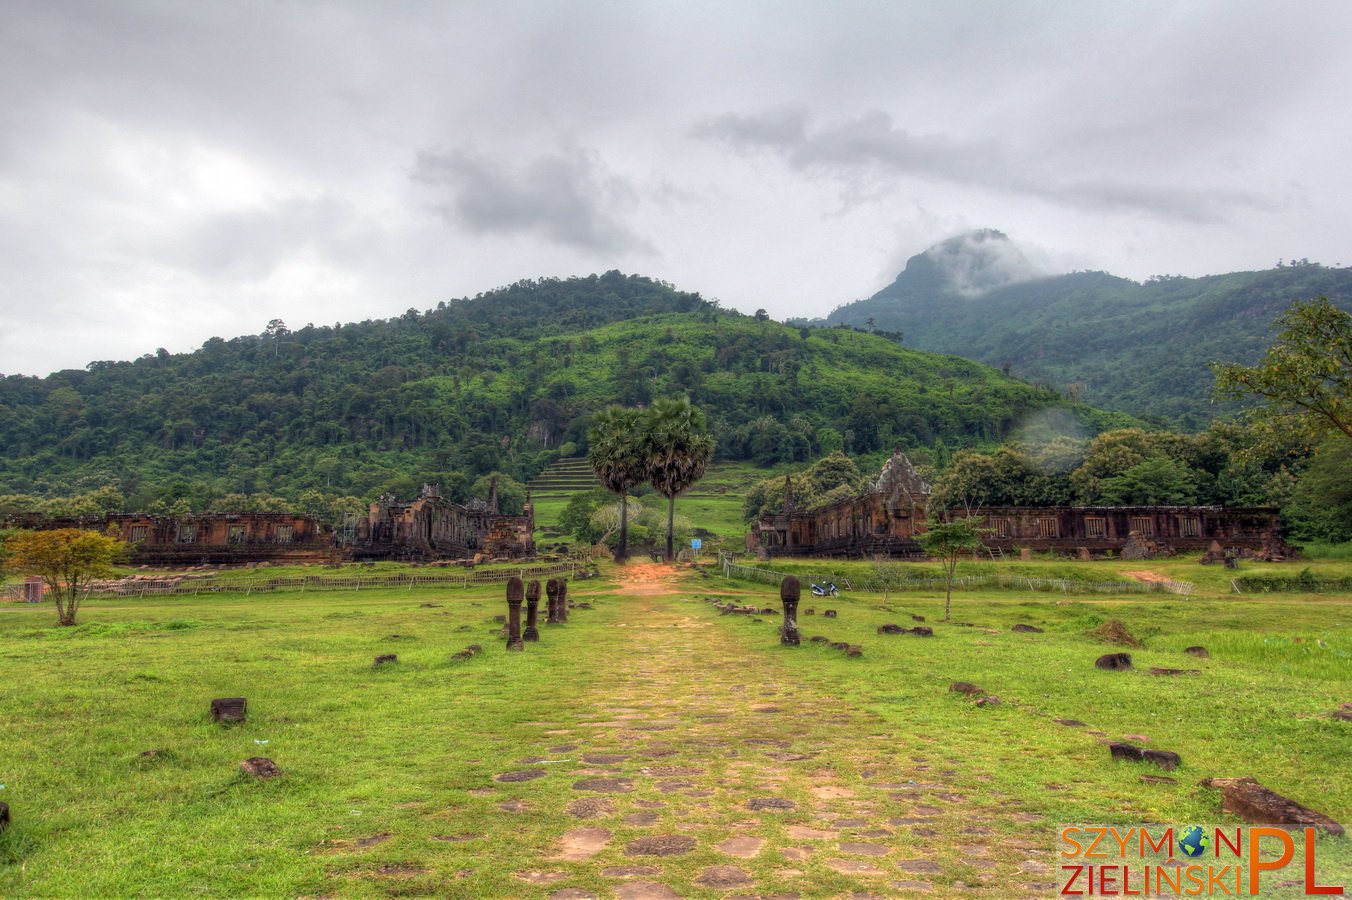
[(695, 544)]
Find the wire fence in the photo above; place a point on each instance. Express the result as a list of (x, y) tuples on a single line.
[(173, 586), (964, 582)]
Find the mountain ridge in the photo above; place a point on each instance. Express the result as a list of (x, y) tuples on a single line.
[(1138, 347)]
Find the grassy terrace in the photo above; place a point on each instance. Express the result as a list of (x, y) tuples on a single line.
[(884, 781)]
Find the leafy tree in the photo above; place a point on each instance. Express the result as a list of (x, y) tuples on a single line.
[(617, 456), (948, 541), (67, 560), (1155, 481), (677, 449), (576, 518), (1320, 505), (1305, 376), (511, 493)]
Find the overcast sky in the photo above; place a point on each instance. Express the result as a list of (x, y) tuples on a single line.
[(174, 170)]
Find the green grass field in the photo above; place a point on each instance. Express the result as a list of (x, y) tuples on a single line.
[(388, 785)]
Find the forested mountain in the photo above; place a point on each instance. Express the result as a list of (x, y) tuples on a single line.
[(505, 381), (1114, 343)]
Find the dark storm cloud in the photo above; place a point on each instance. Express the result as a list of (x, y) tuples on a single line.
[(873, 145), (568, 198)]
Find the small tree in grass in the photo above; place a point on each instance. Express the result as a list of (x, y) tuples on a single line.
[(948, 541), (67, 560)]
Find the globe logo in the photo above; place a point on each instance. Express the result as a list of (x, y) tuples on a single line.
[(1194, 841)]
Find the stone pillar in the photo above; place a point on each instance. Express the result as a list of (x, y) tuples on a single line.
[(789, 591), (532, 612), (515, 594), (563, 599), (552, 590)]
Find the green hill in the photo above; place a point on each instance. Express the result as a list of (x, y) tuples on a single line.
[(1114, 343), (506, 381)]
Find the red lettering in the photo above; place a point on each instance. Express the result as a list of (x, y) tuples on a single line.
[(1237, 848), (1310, 886), (1107, 880), (1076, 873)]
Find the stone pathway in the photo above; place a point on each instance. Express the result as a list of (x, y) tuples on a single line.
[(699, 771)]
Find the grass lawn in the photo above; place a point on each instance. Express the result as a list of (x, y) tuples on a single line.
[(390, 786)]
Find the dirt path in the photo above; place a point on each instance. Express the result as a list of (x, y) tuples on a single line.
[(703, 773)]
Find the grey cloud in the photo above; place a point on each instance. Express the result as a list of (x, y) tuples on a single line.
[(569, 198), (248, 245), (871, 144)]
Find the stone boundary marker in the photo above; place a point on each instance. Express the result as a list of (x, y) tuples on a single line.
[(789, 592), (516, 592), (532, 632)]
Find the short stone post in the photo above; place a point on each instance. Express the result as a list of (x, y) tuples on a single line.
[(789, 591), (516, 592), (532, 633), (552, 590), (563, 599)]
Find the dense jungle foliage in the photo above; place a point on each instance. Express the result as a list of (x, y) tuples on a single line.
[(323, 416), (1108, 341)]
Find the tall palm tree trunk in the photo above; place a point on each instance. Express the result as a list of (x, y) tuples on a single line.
[(623, 553), (671, 519)]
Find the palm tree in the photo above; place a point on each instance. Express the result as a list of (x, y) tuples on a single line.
[(678, 451), (616, 456)]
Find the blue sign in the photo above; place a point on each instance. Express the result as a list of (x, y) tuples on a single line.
[(696, 543)]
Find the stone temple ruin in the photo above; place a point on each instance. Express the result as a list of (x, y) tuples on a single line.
[(424, 529), (432, 527), (886, 519)]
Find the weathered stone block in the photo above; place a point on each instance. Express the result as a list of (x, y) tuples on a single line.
[(1246, 798), (228, 710), (1114, 661), (260, 767), (386, 658)]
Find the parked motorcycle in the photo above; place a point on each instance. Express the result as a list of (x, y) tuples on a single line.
[(825, 590)]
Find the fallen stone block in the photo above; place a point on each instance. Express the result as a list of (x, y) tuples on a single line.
[(922, 631), (965, 687), (1113, 661), (1199, 652), (988, 701), (1165, 759), (260, 767), (228, 710), (892, 629), (1159, 671), (915, 618), (830, 613), (386, 658), (1246, 798), (854, 650), (1026, 629)]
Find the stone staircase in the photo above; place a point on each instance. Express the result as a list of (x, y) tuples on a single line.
[(563, 478)]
